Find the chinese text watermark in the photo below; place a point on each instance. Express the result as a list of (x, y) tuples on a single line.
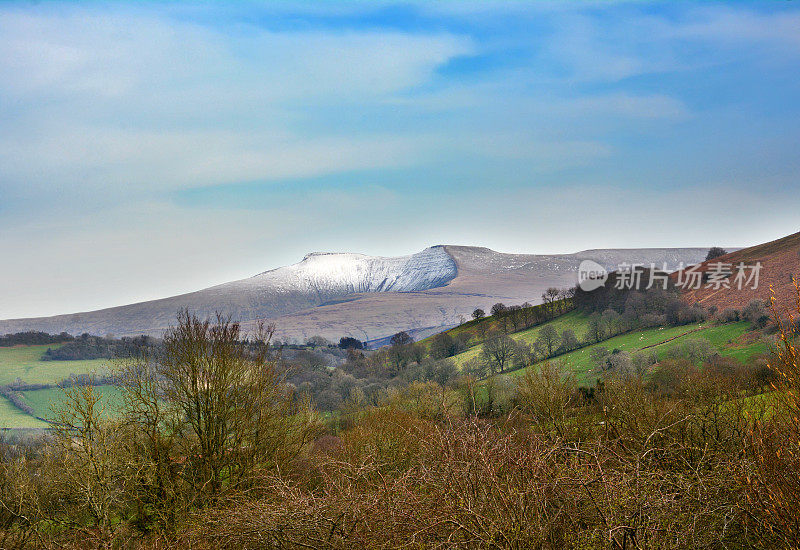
[(716, 276)]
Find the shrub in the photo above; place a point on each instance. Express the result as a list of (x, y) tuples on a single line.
[(729, 315), (693, 349), (756, 313), (442, 346), (774, 487)]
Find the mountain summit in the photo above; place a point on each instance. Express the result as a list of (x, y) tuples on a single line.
[(367, 297), (337, 273)]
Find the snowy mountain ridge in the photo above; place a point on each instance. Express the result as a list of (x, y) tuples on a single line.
[(346, 272), (368, 297)]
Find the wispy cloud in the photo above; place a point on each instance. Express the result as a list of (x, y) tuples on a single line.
[(136, 99)]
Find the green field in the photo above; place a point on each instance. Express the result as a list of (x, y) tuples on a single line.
[(25, 362), (730, 339), (574, 320), (41, 400), (12, 417), (726, 338)]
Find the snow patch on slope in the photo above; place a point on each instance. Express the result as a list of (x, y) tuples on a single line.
[(330, 272)]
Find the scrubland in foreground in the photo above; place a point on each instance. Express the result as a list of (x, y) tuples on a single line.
[(213, 450)]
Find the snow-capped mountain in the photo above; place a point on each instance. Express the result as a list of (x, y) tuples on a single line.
[(331, 272), (346, 294)]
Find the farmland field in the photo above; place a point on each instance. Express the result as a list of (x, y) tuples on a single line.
[(12, 417), (25, 362)]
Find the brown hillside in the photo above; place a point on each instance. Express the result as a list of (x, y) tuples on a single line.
[(780, 261)]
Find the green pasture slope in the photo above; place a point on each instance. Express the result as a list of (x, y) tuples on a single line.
[(574, 320), (729, 339), (12, 417), (24, 362)]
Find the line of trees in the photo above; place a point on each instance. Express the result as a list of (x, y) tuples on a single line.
[(33, 338), (86, 347), (500, 352), (17, 399), (514, 318)]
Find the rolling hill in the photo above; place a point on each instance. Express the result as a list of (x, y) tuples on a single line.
[(736, 340), (779, 260), (337, 294)]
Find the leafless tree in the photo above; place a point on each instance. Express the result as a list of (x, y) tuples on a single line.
[(548, 339), (498, 351)]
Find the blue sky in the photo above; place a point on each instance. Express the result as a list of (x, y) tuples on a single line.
[(149, 149)]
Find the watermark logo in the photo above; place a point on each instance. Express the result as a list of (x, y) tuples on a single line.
[(591, 275), (715, 276), (720, 275)]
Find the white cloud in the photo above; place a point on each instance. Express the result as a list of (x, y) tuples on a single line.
[(135, 99), (91, 157), (113, 56), (736, 26)]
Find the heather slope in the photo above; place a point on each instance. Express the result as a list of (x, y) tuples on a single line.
[(780, 262)]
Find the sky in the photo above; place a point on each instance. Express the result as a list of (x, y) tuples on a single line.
[(150, 149)]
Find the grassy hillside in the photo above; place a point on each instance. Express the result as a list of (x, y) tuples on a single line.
[(25, 362), (574, 320), (731, 340)]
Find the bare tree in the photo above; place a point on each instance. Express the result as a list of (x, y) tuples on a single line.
[(236, 415), (317, 342), (401, 339), (568, 340), (527, 314), (596, 331), (546, 395), (548, 298), (498, 351), (88, 468), (612, 321), (515, 317), (548, 338), (442, 346)]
